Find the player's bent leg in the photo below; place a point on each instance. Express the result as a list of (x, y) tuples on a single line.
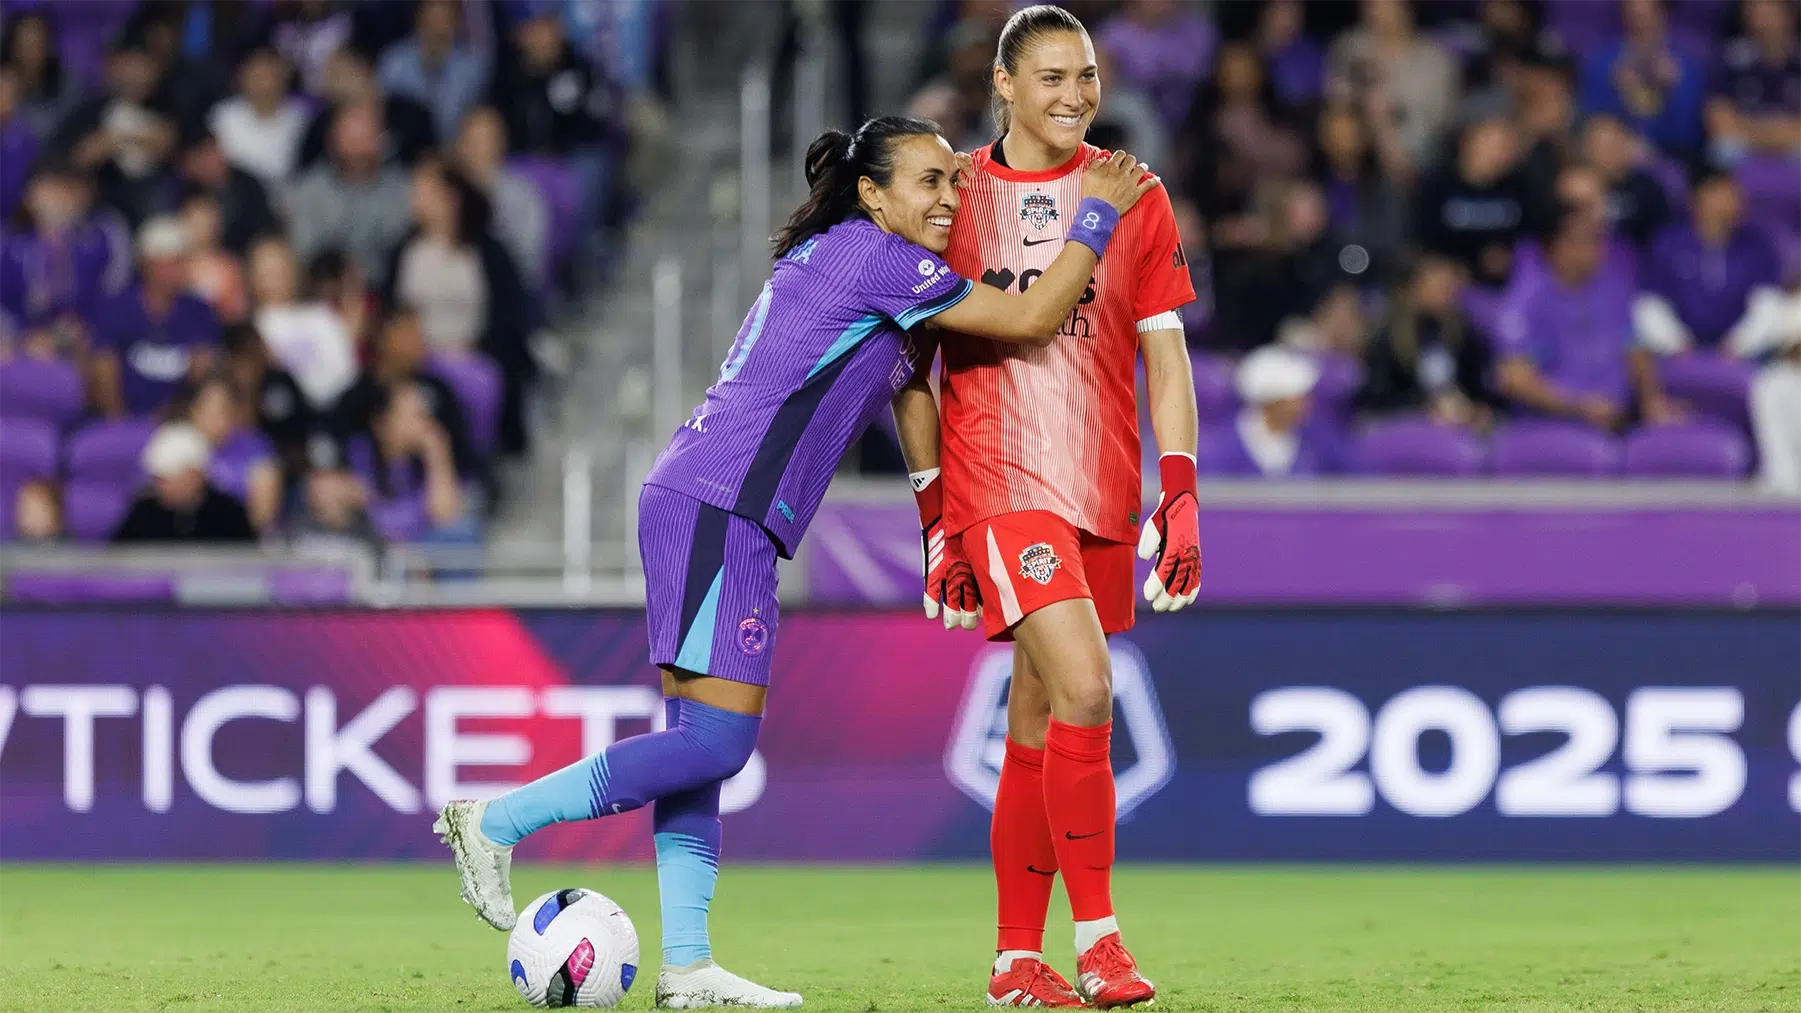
[(484, 867), (706, 744)]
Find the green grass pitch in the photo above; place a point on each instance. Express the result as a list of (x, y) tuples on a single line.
[(381, 937)]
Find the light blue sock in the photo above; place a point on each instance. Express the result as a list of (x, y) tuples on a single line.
[(687, 838), (702, 746)]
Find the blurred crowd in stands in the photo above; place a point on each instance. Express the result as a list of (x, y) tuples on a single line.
[(280, 268), (1463, 237)]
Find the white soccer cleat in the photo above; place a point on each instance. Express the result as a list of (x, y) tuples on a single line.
[(485, 868), (704, 984)]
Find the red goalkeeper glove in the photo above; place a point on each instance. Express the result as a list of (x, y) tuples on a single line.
[(1172, 537), (950, 580)]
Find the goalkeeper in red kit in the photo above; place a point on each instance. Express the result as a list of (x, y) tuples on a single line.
[(1031, 511)]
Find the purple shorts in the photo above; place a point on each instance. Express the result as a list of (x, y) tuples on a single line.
[(709, 587)]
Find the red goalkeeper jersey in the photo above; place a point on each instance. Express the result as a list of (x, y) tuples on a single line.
[(1053, 428)]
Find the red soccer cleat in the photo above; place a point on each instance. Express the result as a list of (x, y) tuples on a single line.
[(1108, 977), (1032, 983)]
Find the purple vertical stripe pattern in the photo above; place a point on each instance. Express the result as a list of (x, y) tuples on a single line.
[(741, 623)]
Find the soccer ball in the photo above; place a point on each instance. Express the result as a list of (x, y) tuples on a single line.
[(573, 948)]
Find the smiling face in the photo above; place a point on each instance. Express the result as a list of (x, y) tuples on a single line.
[(1055, 93), (921, 197)]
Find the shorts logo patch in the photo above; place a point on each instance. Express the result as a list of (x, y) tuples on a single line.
[(1038, 208), (753, 635), (1039, 562)]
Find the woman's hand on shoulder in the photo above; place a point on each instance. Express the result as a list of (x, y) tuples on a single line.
[(1120, 179)]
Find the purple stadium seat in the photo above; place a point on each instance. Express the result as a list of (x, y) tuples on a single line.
[(1546, 447), (476, 381), (1417, 446), (1717, 387), (562, 192), (1772, 185), (1215, 392), (1695, 450), (109, 452), (27, 451), (36, 389), (92, 510)]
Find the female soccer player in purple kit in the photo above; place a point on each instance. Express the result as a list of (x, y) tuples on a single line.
[(822, 351)]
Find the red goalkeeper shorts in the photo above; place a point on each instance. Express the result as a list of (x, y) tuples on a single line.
[(1027, 560)]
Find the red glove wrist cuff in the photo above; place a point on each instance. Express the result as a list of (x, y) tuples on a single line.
[(931, 502), (1177, 471)]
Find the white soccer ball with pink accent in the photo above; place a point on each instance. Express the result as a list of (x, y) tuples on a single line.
[(573, 947)]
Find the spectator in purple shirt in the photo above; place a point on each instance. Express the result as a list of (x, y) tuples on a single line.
[(1297, 65), (150, 340), (1754, 99), (67, 261), (408, 477), (1275, 436), (1701, 273), (18, 144), (1163, 50), (243, 463), (46, 94), (1564, 341), (1648, 80)]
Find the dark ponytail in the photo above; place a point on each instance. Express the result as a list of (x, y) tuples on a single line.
[(835, 162), (1025, 29)]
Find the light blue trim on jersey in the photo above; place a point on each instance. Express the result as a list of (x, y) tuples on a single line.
[(933, 307), (736, 362), (851, 338), (696, 654), (687, 870)]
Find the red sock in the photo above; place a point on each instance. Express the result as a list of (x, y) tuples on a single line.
[(1078, 798), (1025, 863)]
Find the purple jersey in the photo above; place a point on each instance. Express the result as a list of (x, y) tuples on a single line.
[(819, 356), (42, 278), (154, 354)]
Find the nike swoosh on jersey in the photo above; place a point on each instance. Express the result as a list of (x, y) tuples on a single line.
[(1039, 242)]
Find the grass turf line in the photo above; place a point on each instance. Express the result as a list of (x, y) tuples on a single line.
[(378, 937)]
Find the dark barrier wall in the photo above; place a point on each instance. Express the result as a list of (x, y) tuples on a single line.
[(1240, 735)]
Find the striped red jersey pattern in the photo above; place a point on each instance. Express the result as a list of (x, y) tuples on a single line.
[(1052, 428)]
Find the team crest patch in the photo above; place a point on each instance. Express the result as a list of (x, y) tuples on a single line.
[(1038, 562), (1038, 209), (753, 635)]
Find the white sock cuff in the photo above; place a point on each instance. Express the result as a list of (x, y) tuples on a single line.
[(1089, 933), (1003, 961)]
